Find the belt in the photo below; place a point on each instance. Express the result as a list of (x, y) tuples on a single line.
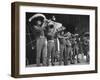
[(42, 37), (51, 41)]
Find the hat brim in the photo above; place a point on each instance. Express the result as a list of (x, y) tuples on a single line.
[(37, 16)]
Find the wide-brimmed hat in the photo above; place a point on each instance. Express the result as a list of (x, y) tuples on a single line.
[(37, 16)]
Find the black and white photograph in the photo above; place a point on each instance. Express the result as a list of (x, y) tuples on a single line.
[(51, 39), (57, 39)]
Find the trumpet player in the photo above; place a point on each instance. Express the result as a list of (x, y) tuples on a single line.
[(38, 24)]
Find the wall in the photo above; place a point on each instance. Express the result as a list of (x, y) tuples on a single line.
[(5, 40)]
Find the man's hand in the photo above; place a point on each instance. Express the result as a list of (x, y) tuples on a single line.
[(45, 23)]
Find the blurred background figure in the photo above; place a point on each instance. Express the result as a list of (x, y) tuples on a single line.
[(69, 47), (63, 56), (86, 46), (75, 47)]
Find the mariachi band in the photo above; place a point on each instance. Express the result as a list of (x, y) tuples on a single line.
[(55, 45)]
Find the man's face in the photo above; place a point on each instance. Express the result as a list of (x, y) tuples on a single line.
[(62, 33), (39, 22)]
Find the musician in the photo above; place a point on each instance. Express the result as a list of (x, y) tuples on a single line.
[(69, 47), (86, 46), (51, 44), (63, 54), (75, 47), (53, 28), (39, 25)]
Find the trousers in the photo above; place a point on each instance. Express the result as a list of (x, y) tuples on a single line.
[(51, 52), (70, 54), (41, 48), (63, 55), (75, 53)]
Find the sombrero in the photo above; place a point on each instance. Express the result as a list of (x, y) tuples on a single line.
[(37, 16)]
